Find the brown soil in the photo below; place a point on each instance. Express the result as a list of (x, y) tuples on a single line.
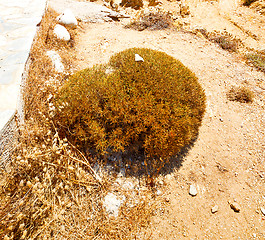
[(226, 163)]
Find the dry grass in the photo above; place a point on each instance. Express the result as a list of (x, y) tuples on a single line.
[(240, 94), (248, 2), (136, 4), (51, 190), (257, 59), (225, 40), (151, 20), (259, 6)]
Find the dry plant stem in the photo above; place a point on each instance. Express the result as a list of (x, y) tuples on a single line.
[(43, 228), (94, 174)]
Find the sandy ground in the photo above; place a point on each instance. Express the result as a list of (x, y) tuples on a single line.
[(226, 163)]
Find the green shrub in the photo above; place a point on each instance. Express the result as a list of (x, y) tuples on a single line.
[(153, 107)]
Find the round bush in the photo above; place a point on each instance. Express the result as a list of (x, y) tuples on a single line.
[(153, 107)]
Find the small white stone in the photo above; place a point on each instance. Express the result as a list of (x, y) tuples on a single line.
[(262, 210), (112, 204), (214, 209), (193, 190), (138, 58), (158, 192), (56, 60), (67, 18), (61, 32)]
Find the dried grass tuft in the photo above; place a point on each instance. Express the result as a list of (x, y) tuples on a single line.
[(135, 4), (224, 39), (151, 20), (257, 59), (240, 94), (259, 6)]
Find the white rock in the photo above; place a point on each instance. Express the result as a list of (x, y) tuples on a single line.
[(56, 60), (112, 204), (214, 209), (138, 58), (67, 18), (193, 190), (262, 210), (61, 32), (158, 193)]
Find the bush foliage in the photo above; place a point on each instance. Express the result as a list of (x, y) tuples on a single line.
[(153, 107)]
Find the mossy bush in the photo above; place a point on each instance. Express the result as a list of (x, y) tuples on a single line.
[(152, 107)]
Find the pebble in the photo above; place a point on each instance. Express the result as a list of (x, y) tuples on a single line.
[(235, 206), (112, 204), (138, 58), (168, 179), (56, 60), (262, 210), (193, 190), (214, 209), (160, 182), (158, 192), (67, 18), (61, 32)]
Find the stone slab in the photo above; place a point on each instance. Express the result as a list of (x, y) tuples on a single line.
[(18, 24)]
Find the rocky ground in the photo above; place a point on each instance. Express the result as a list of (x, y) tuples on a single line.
[(226, 164)]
